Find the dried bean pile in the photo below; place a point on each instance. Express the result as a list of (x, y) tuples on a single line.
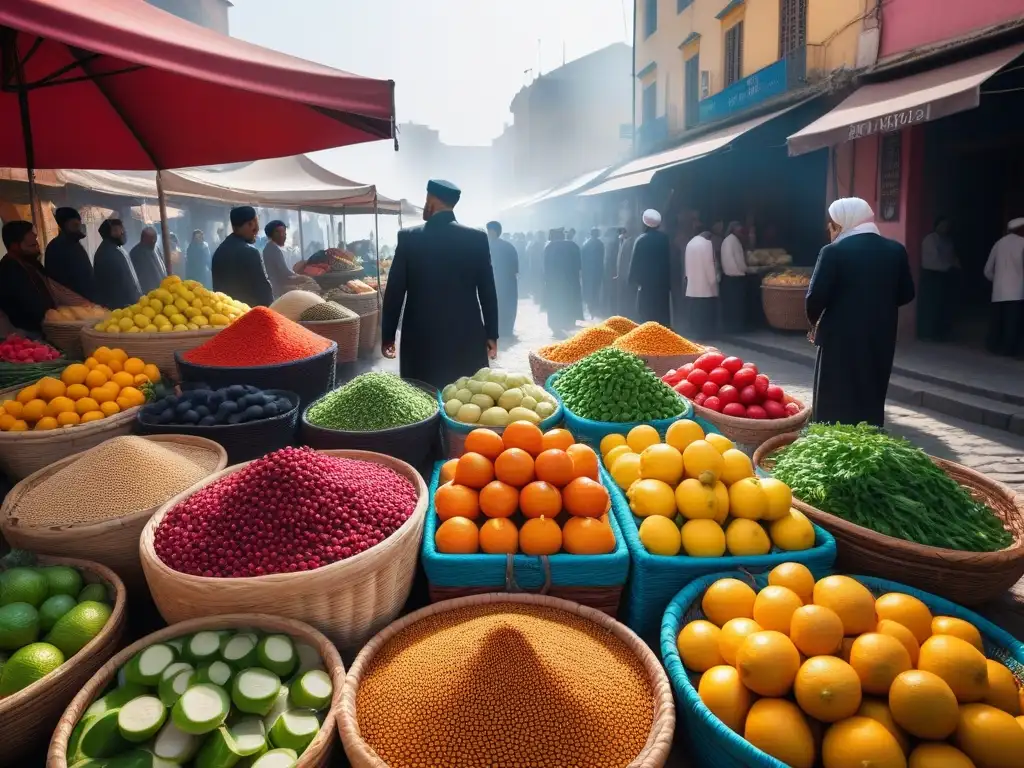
[(555, 689), (259, 337), (328, 310), (372, 402), (292, 510)]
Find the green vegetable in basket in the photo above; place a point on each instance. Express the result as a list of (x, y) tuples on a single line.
[(887, 485), (615, 386), (372, 402)]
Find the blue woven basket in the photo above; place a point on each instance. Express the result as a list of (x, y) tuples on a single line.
[(714, 744), (592, 432), (593, 580), (453, 433)]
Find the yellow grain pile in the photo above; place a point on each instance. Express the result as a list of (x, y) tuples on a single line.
[(620, 324), (578, 346), (655, 339), (505, 684), (117, 478)]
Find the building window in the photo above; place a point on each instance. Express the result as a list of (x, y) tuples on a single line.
[(792, 26), (682, 5), (734, 53), (649, 109), (691, 95), (650, 17)]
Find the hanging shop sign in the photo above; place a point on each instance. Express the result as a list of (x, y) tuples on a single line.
[(764, 84)]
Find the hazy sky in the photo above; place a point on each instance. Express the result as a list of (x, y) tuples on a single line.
[(456, 63)]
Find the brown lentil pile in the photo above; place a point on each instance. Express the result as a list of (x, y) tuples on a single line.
[(119, 477), (620, 324), (505, 685), (655, 339), (576, 347), (327, 310)]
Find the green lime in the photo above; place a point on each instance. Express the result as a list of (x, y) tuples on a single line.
[(31, 663), (96, 592), (23, 585), (77, 627), (63, 580), (53, 608), (19, 625)]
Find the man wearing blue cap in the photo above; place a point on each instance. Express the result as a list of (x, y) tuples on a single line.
[(442, 273)]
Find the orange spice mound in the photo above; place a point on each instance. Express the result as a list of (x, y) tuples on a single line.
[(655, 339), (259, 337), (578, 346), (505, 684), (620, 324)]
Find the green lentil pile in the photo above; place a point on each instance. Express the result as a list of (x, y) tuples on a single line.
[(615, 386), (372, 402), (327, 310)]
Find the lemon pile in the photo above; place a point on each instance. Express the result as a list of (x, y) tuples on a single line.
[(822, 673), (177, 305), (105, 384), (697, 494)]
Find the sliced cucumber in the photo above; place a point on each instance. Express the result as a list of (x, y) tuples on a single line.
[(280, 706), (178, 644), (203, 647), (219, 750), (295, 729), (100, 736), (115, 699), (172, 688), (216, 672), (122, 679), (250, 736), (174, 669), (277, 653), (313, 690), (147, 666), (201, 709), (309, 658), (240, 650), (278, 758), (175, 745), (141, 718), (139, 758), (255, 690)]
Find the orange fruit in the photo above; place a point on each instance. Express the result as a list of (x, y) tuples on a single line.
[(140, 379), (554, 466), (451, 500), (133, 396), (105, 370), (74, 374), (498, 499), (457, 536), (584, 497), (96, 378), (123, 379), (474, 470), (20, 425), (50, 388), (514, 467), (109, 408), (523, 434), (92, 416), (34, 410), (133, 365), (77, 391), (60, 405), (447, 471), (13, 408), (117, 354), (114, 365), (28, 393), (499, 537), (151, 372), (540, 499), (91, 362), (540, 536), (68, 419), (45, 423), (103, 394), (485, 442), (584, 460), (102, 354), (587, 536), (557, 438), (86, 405)]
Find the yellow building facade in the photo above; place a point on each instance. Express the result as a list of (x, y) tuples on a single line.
[(702, 61)]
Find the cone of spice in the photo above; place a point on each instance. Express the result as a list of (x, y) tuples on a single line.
[(576, 347), (654, 339), (259, 337)]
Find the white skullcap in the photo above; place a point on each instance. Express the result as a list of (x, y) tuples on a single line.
[(848, 212), (1015, 224), (652, 218)]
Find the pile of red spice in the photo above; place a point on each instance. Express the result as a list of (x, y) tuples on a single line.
[(293, 510), (259, 337)]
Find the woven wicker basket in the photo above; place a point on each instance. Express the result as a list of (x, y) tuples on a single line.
[(155, 348), (541, 368), (659, 741), (662, 364), (968, 578), (345, 333), (67, 336), (316, 755), (754, 432), (28, 717), (369, 332), (114, 543), (360, 303), (784, 307), (348, 601)]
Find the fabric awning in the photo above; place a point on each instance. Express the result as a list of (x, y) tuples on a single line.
[(580, 182), (897, 104), (616, 183)]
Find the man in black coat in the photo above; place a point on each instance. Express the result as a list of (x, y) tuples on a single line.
[(24, 294), (442, 273), (149, 267), (593, 271), (116, 281), (650, 272), (505, 265), (66, 260), (238, 268)]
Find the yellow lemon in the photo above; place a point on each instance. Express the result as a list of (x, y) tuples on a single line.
[(703, 462), (911, 613), (728, 599), (148, 312), (614, 453), (696, 501), (816, 630), (660, 536), (219, 321), (68, 419), (780, 498), (850, 599), (903, 635), (661, 462), (626, 470), (179, 327), (34, 410), (778, 728), (698, 645), (46, 423), (768, 662), (860, 741), (614, 440), (745, 538), (28, 393), (50, 388), (877, 709), (703, 538), (923, 705), (683, 432), (793, 533), (949, 625), (878, 659), (642, 436), (734, 632), (111, 328), (735, 466), (990, 737), (775, 606), (795, 576), (150, 329), (957, 662), (722, 692), (747, 500), (650, 497), (126, 323), (720, 442), (827, 689), (722, 497), (934, 755), (1002, 689)]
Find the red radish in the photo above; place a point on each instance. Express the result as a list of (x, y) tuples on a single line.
[(748, 395), (710, 388), (756, 412), (735, 409), (728, 394), (709, 361), (761, 383), (697, 377), (687, 389), (744, 377), (774, 392), (720, 376), (673, 377), (752, 367), (774, 409), (713, 404), (732, 364), (699, 398), (792, 409)]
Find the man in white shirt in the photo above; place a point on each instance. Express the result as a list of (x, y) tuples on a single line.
[(1005, 268), (701, 286), (734, 280), (936, 291)]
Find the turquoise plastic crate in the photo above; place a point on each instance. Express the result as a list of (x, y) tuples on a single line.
[(714, 744)]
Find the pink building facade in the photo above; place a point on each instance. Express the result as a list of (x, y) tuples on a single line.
[(910, 24)]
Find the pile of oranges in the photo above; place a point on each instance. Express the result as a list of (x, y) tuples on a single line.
[(107, 383), (525, 491)]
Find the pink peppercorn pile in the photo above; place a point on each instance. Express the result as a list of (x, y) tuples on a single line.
[(292, 510)]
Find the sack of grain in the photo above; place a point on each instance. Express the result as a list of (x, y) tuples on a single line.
[(294, 303)]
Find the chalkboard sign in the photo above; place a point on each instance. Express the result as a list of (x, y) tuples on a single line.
[(889, 175)]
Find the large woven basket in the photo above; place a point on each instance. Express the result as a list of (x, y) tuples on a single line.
[(156, 348), (784, 307), (67, 336), (541, 368), (361, 303), (114, 543), (345, 333), (968, 578), (28, 717), (659, 741), (348, 601), (316, 755), (754, 432), (337, 278)]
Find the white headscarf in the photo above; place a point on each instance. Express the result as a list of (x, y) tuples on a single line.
[(652, 218), (854, 216)]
